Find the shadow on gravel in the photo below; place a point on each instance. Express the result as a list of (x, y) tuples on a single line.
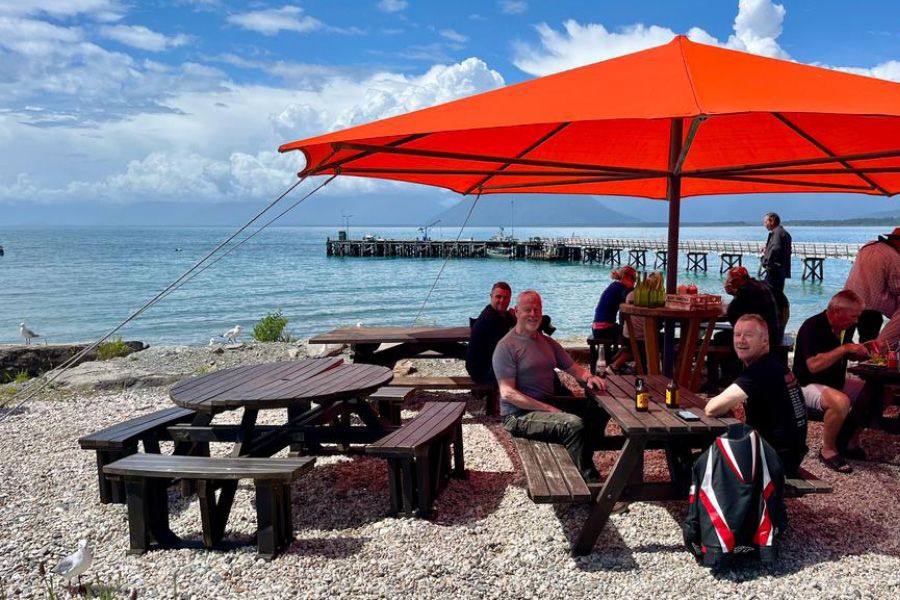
[(610, 552), (342, 547)]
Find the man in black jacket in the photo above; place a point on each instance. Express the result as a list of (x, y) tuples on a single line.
[(777, 255), (492, 324)]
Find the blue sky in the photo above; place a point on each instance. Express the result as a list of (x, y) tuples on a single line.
[(186, 101)]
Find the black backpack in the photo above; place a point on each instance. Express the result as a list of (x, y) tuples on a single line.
[(736, 500)]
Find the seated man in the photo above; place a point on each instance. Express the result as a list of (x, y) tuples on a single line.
[(820, 364), (774, 402), (524, 363), (492, 324), (751, 296)]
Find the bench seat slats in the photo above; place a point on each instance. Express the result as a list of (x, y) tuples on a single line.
[(806, 483), (202, 467), (434, 419), (550, 473), (130, 431)]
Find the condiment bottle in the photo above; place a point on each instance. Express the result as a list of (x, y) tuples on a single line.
[(641, 395)]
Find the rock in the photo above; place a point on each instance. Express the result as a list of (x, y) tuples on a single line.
[(36, 359)]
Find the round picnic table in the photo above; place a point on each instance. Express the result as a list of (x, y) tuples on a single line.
[(687, 365), (337, 389)]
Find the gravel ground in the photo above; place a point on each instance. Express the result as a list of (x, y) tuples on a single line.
[(488, 540)]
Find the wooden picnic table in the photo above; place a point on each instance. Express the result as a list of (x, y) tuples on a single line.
[(337, 390), (407, 342), (658, 427), (877, 378), (690, 359)]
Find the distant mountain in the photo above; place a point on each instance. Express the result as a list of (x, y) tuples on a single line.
[(535, 210)]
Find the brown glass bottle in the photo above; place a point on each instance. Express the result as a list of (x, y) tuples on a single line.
[(641, 395), (672, 395)]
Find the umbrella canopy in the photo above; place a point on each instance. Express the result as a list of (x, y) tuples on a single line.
[(724, 122)]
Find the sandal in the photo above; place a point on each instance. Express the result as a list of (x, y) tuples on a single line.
[(855, 453), (836, 463)]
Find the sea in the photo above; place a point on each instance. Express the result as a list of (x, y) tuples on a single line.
[(77, 284)]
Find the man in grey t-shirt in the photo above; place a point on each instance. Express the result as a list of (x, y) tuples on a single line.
[(524, 363)]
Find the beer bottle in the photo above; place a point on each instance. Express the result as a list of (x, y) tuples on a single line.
[(641, 395), (672, 395)]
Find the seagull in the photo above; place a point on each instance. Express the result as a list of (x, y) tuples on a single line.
[(74, 565), (232, 334), (212, 341), (27, 333)]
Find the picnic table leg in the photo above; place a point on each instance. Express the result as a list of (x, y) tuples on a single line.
[(635, 348), (630, 457), (213, 514), (689, 330), (652, 342), (424, 483), (459, 466), (701, 356)]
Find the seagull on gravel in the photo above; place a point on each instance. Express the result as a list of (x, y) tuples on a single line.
[(233, 334), (74, 565), (27, 333)]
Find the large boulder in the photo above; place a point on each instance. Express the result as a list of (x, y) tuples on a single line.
[(36, 359)]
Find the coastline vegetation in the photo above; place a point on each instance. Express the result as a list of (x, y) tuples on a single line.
[(271, 328), (108, 350)]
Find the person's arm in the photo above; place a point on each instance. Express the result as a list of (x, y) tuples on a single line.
[(823, 360), (584, 376), (509, 393), (723, 403)]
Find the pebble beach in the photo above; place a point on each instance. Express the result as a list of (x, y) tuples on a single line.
[(487, 539)]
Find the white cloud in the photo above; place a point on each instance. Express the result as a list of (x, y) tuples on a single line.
[(101, 10), (271, 21), (391, 6), (453, 35), (757, 27), (138, 36), (513, 7)]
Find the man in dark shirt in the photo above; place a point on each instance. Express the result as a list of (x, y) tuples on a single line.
[(752, 296), (820, 364), (776, 258), (774, 402), (492, 324)]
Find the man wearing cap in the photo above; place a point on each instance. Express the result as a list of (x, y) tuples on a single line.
[(776, 258), (875, 277)]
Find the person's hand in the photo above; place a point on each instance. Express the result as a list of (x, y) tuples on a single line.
[(595, 382), (856, 350), (550, 408), (875, 347)]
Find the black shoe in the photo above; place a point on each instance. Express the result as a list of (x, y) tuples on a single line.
[(836, 463)]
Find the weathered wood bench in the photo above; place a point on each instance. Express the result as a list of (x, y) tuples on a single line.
[(550, 473), (121, 439), (147, 476), (419, 454), (457, 382), (389, 402), (805, 483)]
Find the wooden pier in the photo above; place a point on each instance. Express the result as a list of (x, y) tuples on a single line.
[(606, 251)]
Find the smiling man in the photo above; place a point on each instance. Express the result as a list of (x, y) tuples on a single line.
[(524, 362), (774, 402)]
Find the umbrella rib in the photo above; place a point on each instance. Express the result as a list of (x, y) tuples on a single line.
[(750, 179), (695, 125), (521, 154), (737, 169), (809, 138), (579, 181), (497, 159), (489, 172), (852, 169), (338, 163)]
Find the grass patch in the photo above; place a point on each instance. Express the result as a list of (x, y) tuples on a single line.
[(271, 328), (108, 350)]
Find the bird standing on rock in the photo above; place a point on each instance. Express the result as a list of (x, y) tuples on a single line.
[(74, 565), (232, 334), (27, 333)]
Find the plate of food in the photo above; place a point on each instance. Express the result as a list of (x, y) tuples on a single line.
[(879, 362)]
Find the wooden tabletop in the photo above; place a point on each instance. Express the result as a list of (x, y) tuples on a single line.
[(874, 372), (618, 401), (387, 335), (671, 313), (279, 385)]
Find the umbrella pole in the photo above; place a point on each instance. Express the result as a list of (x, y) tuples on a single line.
[(673, 195)]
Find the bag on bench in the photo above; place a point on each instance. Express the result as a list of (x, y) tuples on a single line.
[(736, 500)]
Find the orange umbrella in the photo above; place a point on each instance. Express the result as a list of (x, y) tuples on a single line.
[(682, 119)]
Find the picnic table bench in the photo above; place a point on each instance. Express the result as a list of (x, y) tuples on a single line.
[(419, 457), (456, 382), (120, 440), (146, 478)]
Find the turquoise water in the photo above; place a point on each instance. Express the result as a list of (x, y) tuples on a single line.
[(73, 284)]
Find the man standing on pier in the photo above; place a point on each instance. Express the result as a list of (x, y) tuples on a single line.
[(524, 363), (777, 256)]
